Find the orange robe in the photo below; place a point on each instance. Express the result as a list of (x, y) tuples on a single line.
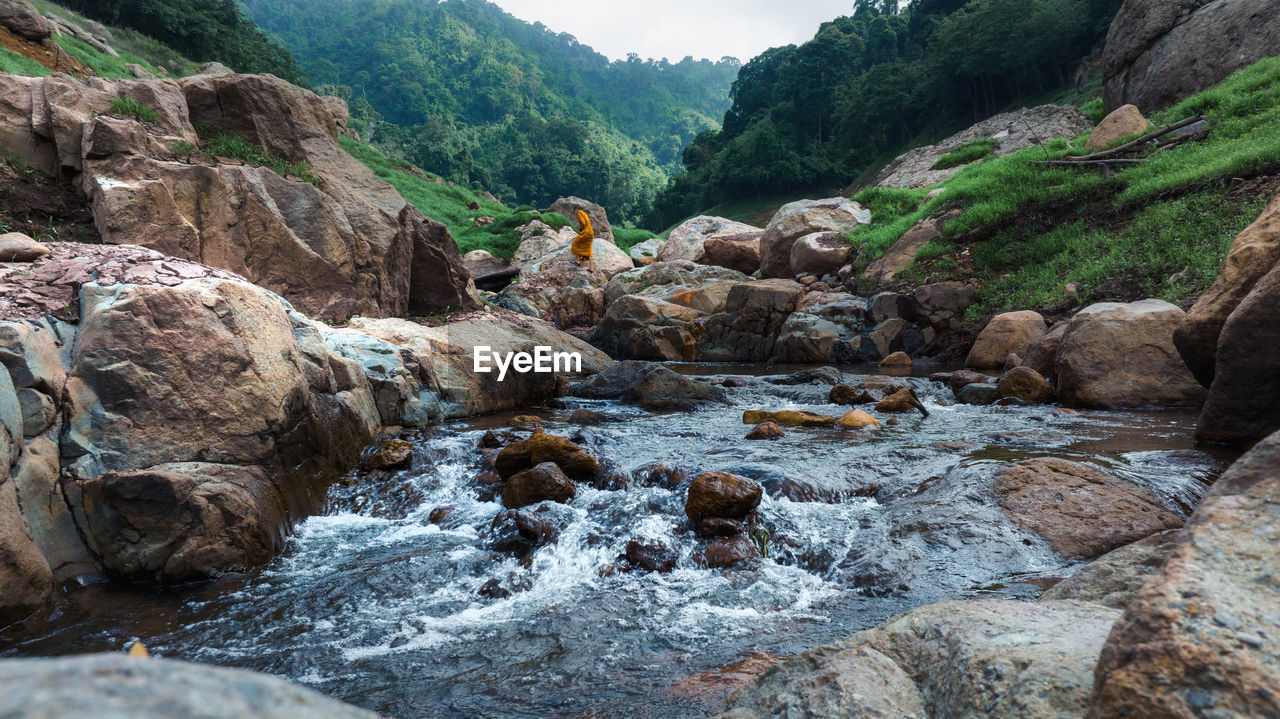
[(582, 243)]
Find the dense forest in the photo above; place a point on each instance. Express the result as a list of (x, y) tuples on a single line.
[(203, 30), (467, 91), (817, 115)]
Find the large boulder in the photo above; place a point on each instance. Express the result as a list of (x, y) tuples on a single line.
[(569, 206), (805, 217), (1122, 355), (1081, 511), (739, 252), (1012, 131), (22, 19), (1114, 578), (1159, 52), (686, 241), (118, 686), (820, 253), (829, 682), (1005, 334), (1252, 255), (645, 328), (26, 581), (1200, 638), (649, 385), (1121, 122), (540, 483), (665, 280), (722, 495), (747, 330), (943, 303)]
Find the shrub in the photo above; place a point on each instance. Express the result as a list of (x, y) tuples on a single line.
[(125, 106)]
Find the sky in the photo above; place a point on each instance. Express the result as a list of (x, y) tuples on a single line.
[(676, 28)]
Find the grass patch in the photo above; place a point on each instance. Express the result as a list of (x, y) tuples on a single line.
[(626, 238), (228, 144), (967, 153), (125, 106), (15, 64), (1094, 109), (103, 65)]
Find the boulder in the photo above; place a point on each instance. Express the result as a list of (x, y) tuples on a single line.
[(708, 299), (721, 495), (1012, 131), (960, 379), (810, 339), (857, 419), (1199, 638), (538, 240), (22, 19), (902, 253), (540, 483), (1158, 52), (805, 217), (844, 394), (766, 430), (896, 360), (727, 552), (739, 252), (645, 328), (648, 248), (904, 400), (820, 253), (649, 385), (979, 393), (1026, 384), (748, 328), (489, 272), (650, 555), (392, 454), (1122, 355), (26, 581), (1081, 511), (943, 303), (608, 258), (1042, 352), (118, 686), (17, 247), (788, 418), (1252, 255), (664, 280), (1113, 579), (1121, 122), (686, 241), (1006, 334), (569, 206), (541, 448), (576, 309)]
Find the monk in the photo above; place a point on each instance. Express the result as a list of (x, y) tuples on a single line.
[(581, 247)]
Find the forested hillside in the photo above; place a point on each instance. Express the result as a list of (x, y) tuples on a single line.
[(482, 98), (815, 116)]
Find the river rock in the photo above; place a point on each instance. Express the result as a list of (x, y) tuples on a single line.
[(22, 19), (569, 206), (542, 482), (805, 217), (520, 532), (1122, 355), (686, 241), (1081, 511), (1201, 634), (754, 315), (857, 419), (727, 552), (788, 418), (1042, 352), (117, 686), (392, 454), (820, 253), (809, 339), (902, 253), (944, 303), (711, 688), (651, 555), (1113, 579), (844, 394), (721, 495), (1006, 334), (1158, 53), (1252, 255), (541, 448), (1119, 123), (739, 251), (897, 359), (766, 430), (1026, 384), (824, 375), (708, 299), (649, 385), (646, 328), (903, 400), (17, 247)]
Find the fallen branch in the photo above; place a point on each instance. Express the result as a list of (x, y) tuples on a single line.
[(1134, 144), (1108, 161)]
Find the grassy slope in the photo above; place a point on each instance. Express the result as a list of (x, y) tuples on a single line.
[(1160, 228)]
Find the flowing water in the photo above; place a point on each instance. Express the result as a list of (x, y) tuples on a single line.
[(375, 604)]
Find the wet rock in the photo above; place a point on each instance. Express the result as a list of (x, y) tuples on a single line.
[(979, 393), (904, 400), (526, 421), (829, 682), (1081, 511), (819, 253), (522, 532), (440, 514), (657, 474), (493, 439), (570, 458), (687, 240), (1122, 355), (1119, 123), (766, 430), (788, 418), (17, 247), (711, 688), (825, 375), (118, 686), (720, 527), (1200, 637), (649, 385), (857, 419), (959, 379), (1005, 334), (651, 556), (543, 482), (844, 394), (493, 589), (887, 385), (805, 217), (797, 490), (897, 359), (727, 552), (391, 455), (1025, 384), (1113, 579), (720, 494), (734, 382), (585, 416)]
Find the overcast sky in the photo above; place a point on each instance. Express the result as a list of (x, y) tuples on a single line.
[(675, 28)]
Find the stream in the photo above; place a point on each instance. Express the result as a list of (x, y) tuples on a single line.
[(375, 604)]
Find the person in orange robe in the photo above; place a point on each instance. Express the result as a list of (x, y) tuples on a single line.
[(581, 246)]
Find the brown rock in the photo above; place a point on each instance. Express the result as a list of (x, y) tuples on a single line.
[(844, 394), (17, 247), (22, 19), (857, 419), (1122, 355), (944, 303), (542, 448), (903, 252), (1113, 579), (1025, 384), (1042, 353), (788, 418), (897, 359), (1006, 334), (904, 400), (819, 253), (1252, 255), (711, 688), (543, 482), (393, 454), (959, 379), (805, 217), (1119, 123), (585, 416), (569, 206), (722, 495), (708, 299), (740, 251), (1199, 638), (766, 430), (719, 527), (754, 315), (687, 241), (1081, 511), (25, 579), (727, 552), (651, 556)]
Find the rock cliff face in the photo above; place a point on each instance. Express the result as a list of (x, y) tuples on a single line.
[(342, 244)]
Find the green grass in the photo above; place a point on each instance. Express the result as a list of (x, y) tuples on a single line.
[(1094, 109), (15, 64), (626, 238), (448, 204), (969, 152), (227, 144), (132, 45), (125, 106), (103, 65)]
